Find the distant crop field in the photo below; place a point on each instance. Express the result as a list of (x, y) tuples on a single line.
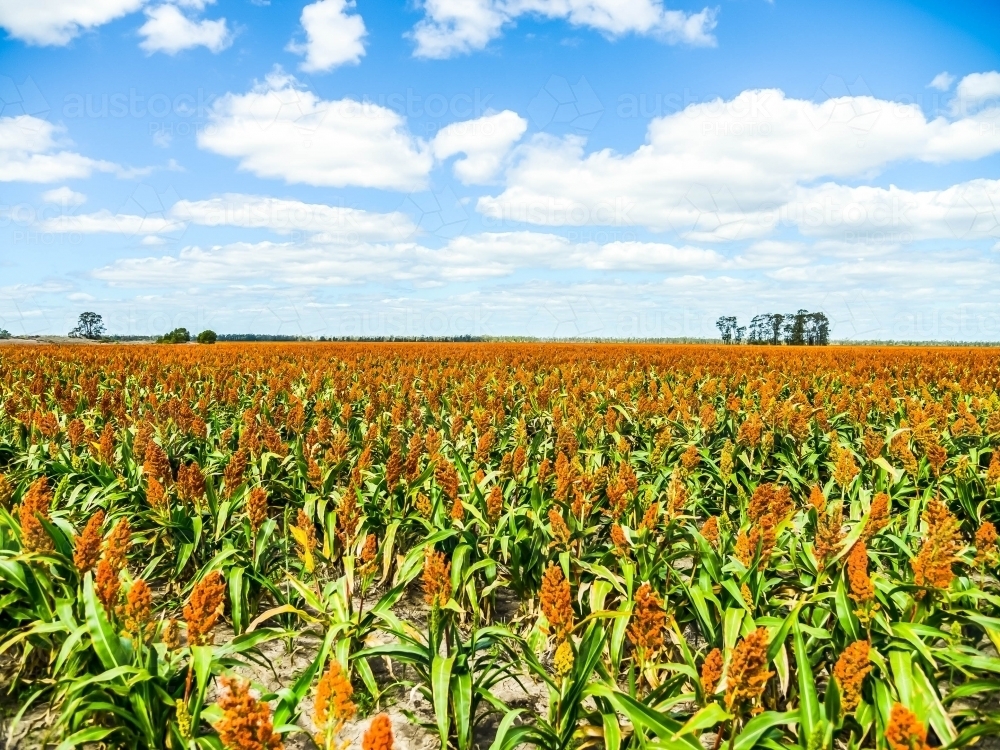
[(679, 547)]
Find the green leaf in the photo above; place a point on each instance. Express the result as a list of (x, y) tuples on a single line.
[(387, 547), (935, 711), (508, 736), (845, 614), (808, 700), (831, 703), (646, 717), (697, 597), (911, 633), (236, 599), (12, 572), (68, 647), (612, 730), (84, 736), (707, 717), (461, 703), (756, 727), (440, 689), (288, 705), (731, 627), (201, 661), (107, 644), (902, 673), (778, 637)]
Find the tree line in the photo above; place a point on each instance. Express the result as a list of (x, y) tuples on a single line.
[(803, 328)]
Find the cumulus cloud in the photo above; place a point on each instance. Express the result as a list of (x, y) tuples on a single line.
[(32, 150), (333, 36), (63, 196), (279, 130), (967, 211), (975, 92), (453, 27), (168, 30), (484, 141), (716, 168), (57, 22)]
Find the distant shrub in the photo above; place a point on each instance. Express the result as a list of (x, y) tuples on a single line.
[(207, 337), (176, 336)]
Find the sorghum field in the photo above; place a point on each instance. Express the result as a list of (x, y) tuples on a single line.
[(662, 547)]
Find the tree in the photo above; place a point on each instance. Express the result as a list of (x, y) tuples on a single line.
[(728, 328), (776, 321), (817, 329), (89, 326), (795, 328), (760, 329), (207, 337), (176, 336), (5, 334), (801, 329)]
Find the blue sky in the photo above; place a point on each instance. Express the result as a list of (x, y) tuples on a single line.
[(544, 167)]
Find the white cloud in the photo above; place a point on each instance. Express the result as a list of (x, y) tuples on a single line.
[(967, 211), (484, 141), (105, 222), (279, 130), (30, 151), (311, 264), (326, 224), (452, 27), (715, 169), (942, 81), (645, 256), (333, 36), (63, 196), (493, 254), (975, 92), (170, 31), (56, 22), (299, 265), (301, 287), (331, 223)]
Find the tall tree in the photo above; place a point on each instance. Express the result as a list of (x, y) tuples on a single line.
[(795, 328), (799, 329), (775, 321), (90, 325), (727, 327), (817, 329)]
